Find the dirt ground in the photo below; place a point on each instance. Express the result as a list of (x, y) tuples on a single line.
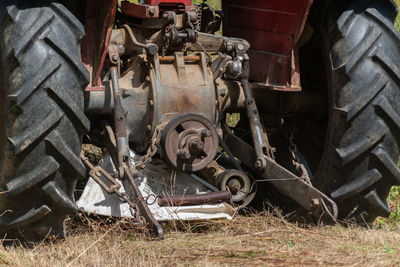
[(258, 240)]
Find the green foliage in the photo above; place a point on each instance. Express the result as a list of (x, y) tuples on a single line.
[(5, 260), (398, 16), (232, 119), (388, 249), (394, 203), (214, 3)]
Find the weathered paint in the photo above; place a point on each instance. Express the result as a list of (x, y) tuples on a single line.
[(273, 28), (140, 11), (99, 22), (161, 2)]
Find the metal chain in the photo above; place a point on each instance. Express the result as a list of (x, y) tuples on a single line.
[(151, 151), (132, 206), (166, 44), (95, 172), (123, 197), (138, 167), (303, 173), (199, 16), (300, 168)]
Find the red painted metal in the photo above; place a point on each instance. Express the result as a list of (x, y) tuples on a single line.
[(273, 28), (140, 11), (151, 8), (99, 22), (158, 2)]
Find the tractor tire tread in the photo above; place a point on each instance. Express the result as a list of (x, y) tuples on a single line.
[(45, 116), (359, 165)]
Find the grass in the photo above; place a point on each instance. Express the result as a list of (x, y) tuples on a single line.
[(263, 239), (397, 23)]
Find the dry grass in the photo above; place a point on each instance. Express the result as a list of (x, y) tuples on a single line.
[(249, 241)]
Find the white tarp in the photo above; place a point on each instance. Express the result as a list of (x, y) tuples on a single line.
[(156, 179)]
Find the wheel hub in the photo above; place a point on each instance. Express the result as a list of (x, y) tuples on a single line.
[(189, 142)]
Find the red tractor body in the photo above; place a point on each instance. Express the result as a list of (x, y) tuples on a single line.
[(167, 2), (272, 27)]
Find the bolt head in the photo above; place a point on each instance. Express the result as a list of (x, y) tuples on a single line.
[(121, 49), (184, 154), (229, 46), (315, 203), (234, 185), (205, 133), (222, 92), (152, 49), (196, 146), (258, 164)]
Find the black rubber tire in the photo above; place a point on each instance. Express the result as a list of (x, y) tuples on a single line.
[(42, 86), (359, 162)]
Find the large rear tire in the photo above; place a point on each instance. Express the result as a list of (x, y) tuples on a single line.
[(362, 62), (42, 115)]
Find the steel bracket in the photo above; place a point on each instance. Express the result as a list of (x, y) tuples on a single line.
[(285, 181)]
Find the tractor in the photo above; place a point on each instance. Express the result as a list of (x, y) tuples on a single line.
[(314, 87)]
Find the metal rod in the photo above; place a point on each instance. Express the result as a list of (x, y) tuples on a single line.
[(132, 189), (191, 200), (129, 182), (171, 59), (120, 123), (255, 124), (151, 48), (204, 182)]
